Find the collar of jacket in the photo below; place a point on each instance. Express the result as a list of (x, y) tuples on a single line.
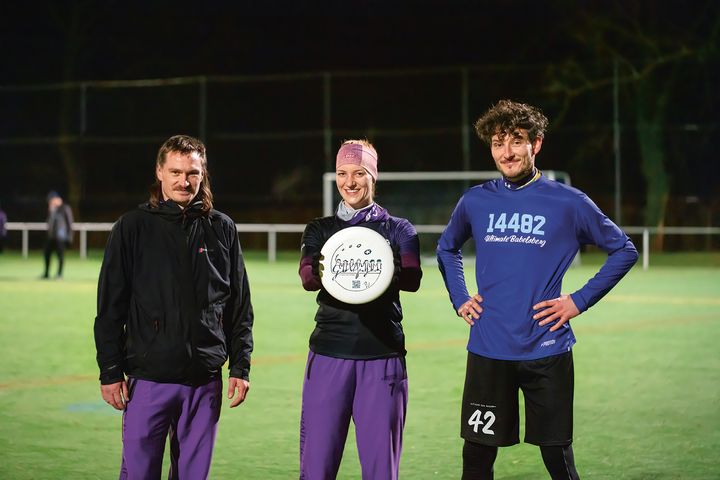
[(373, 213), (171, 211)]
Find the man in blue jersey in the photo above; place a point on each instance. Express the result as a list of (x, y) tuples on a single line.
[(527, 230)]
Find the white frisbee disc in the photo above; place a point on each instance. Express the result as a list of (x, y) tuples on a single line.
[(358, 265)]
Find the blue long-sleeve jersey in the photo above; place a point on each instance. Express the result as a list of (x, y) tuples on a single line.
[(525, 241)]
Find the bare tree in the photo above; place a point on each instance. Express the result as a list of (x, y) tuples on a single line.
[(652, 45), (73, 22)]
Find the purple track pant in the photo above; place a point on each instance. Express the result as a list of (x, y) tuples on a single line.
[(374, 394), (189, 415)]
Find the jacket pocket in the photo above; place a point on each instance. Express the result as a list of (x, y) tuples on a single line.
[(209, 339), (158, 343), (143, 327)]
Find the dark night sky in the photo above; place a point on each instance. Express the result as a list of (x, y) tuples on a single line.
[(129, 40), (53, 41)]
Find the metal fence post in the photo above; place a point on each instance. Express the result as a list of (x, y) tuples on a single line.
[(272, 246), (25, 242), (83, 243)]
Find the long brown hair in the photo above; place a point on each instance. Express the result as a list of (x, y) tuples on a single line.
[(185, 145)]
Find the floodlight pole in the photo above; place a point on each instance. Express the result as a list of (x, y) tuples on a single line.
[(327, 125), (202, 108), (464, 119), (616, 142), (83, 108)]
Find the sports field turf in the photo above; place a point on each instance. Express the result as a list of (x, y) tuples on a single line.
[(647, 378)]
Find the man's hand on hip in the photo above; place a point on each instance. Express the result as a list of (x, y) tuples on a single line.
[(559, 310), (471, 309)]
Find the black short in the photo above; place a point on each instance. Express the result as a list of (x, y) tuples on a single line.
[(490, 410)]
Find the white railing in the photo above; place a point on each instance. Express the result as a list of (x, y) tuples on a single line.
[(647, 231), (81, 228), (272, 229)]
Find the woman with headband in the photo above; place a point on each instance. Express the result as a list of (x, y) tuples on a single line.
[(356, 364)]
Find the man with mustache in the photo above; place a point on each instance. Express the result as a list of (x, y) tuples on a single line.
[(173, 306)]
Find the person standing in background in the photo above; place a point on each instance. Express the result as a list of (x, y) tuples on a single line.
[(60, 232)]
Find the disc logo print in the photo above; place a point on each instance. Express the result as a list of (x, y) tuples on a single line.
[(354, 267), (358, 265)]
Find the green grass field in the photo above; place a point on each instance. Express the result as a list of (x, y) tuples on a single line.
[(647, 378)]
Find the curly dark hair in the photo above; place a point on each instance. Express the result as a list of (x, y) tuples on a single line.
[(186, 145), (506, 116)]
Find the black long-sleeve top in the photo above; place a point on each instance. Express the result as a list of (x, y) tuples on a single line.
[(371, 330)]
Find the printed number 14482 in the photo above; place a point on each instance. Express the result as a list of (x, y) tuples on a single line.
[(524, 223)]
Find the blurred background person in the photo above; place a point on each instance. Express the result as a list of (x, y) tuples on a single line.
[(60, 232)]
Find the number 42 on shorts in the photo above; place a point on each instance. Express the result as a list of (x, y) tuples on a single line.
[(476, 419)]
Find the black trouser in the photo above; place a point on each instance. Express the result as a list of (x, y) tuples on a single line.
[(58, 246)]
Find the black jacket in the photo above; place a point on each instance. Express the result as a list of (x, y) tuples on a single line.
[(173, 298), (365, 331)]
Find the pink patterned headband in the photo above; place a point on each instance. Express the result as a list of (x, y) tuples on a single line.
[(358, 154)]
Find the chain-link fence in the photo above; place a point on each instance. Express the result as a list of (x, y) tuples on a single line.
[(270, 138)]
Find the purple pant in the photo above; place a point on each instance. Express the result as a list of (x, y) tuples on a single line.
[(374, 394), (189, 415)]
